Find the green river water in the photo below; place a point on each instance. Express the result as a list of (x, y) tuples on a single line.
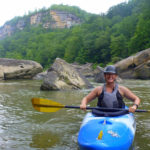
[(23, 128)]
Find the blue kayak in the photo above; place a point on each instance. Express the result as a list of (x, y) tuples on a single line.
[(107, 133)]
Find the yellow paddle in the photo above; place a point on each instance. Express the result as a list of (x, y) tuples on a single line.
[(46, 105)]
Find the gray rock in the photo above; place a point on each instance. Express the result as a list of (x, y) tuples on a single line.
[(62, 76), (99, 76), (40, 76), (135, 67), (85, 69), (18, 69)]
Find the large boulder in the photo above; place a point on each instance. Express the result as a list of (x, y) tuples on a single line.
[(85, 69), (62, 75), (18, 69), (135, 67), (40, 76), (99, 76)]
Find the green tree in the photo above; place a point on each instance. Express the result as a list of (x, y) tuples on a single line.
[(119, 46), (141, 38), (73, 45)]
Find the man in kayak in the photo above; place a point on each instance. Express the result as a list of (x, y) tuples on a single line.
[(110, 95)]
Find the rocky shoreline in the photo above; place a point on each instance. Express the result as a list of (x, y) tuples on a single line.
[(62, 75)]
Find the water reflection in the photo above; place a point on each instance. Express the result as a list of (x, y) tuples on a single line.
[(44, 139)]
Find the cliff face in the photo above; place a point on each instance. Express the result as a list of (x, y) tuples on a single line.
[(49, 19)]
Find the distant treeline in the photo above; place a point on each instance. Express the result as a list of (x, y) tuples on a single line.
[(100, 39)]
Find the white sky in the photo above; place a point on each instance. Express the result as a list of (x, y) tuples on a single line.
[(11, 8)]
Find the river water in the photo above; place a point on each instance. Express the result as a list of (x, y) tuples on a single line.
[(23, 128)]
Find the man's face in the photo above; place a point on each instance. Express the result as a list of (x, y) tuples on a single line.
[(110, 77)]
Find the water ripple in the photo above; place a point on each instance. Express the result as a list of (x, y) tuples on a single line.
[(22, 127)]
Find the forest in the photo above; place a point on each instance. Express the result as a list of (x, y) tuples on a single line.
[(101, 39)]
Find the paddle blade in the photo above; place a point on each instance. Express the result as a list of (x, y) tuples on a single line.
[(45, 105), (45, 109)]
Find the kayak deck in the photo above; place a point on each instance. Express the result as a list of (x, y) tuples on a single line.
[(108, 133)]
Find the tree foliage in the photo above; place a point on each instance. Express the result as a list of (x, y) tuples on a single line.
[(100, 39)]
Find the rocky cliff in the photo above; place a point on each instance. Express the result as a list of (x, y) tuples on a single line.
[(47, 19)]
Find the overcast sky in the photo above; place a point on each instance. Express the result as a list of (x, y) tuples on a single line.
[(11, 8)]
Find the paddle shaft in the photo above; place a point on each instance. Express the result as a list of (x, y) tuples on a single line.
[(102, 108), (99, 108)]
